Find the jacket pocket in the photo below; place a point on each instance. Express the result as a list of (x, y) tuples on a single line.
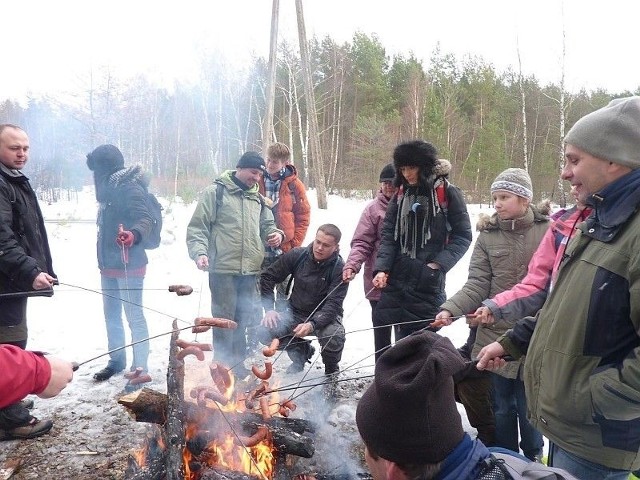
[(430, 280)]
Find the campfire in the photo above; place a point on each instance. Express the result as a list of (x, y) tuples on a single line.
[(208, 430)]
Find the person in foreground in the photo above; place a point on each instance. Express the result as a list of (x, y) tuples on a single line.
[(582, 349), (26, 264), (25, 373), (411, 427)]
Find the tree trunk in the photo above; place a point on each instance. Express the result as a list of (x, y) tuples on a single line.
[(314, 140), (267, 129)]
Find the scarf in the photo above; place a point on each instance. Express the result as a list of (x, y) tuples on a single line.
[(416, 210)]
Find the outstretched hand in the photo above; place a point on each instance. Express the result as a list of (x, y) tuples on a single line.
[(490, 357)]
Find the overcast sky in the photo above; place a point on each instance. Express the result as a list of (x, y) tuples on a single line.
[(48, 45)]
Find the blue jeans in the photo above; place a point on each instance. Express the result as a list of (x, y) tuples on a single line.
[(125, 294), (510, 411), (581, 468)]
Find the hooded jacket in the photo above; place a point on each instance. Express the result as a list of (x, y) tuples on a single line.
[(366, 242), (499, 261), (582, 370), (292, 212), (234, 236), (121, 197)]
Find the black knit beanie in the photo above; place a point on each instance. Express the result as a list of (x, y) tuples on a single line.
[(105, 159), (408, 415), (388, 173), (251, 160)]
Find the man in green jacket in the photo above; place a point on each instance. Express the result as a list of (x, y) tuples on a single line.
[(582, 367), (226, 236)]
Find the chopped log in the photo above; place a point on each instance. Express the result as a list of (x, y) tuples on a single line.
[(174, 431), (148, 405)]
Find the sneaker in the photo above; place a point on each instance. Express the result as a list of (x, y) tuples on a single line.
[(105, 374), (26, 403), (34, 428)]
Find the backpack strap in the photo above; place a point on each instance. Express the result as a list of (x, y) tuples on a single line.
[(299, 260)]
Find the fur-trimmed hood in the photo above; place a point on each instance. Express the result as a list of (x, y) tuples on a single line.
[(540, 211)]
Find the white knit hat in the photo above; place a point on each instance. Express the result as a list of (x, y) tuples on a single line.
[(516, 181)]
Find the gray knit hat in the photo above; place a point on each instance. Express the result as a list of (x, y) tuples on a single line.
[(408, 415), (611, 133), (516, 181)]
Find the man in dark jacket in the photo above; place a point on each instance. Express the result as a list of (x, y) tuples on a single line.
[(123, 222), (25, 264), (315, 304), (583, 348)]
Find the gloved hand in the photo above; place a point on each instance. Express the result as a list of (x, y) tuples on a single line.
[(125, 238)]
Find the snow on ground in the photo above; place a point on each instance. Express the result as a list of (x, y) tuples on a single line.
[(92, 434)]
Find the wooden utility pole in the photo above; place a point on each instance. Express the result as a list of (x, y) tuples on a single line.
[(317, 170), (267, 126)]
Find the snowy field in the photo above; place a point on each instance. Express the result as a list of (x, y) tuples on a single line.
[(92, 433)]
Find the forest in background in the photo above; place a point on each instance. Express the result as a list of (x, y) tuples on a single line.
[(367, 102)]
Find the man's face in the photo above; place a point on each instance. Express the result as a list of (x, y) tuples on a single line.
[(274, 165), (249, 176), (14, 148), (587, 174), (323, 246), (377, 466)]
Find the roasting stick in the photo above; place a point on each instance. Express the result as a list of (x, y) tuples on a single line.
[(77, 365)]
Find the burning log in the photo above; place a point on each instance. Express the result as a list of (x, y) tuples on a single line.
[(209, 473), (174, 432), (147, 405), (284, 441)]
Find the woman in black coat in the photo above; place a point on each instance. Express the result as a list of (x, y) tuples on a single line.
[(426, 231)]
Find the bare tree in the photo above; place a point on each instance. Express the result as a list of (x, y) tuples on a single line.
[(267, 125), (525, 153), (316, 154)]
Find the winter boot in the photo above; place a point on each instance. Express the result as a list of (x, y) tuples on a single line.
[(300, 353), (105, 374), (32, 429)]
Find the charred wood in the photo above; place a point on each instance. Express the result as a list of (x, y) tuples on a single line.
[(174, 430)]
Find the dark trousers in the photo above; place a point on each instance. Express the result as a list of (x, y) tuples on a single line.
[(14, 415), (474, 392), (381, 332)]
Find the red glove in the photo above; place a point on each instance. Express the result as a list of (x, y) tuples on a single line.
[(125, 238)]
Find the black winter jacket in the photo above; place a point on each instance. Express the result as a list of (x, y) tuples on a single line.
[(24, 247), (312, 283), (123, 202), (415, 291)]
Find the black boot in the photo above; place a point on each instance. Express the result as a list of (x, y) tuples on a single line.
[(105, 374)]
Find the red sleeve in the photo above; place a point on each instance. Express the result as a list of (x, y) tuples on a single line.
[(23, 373)]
